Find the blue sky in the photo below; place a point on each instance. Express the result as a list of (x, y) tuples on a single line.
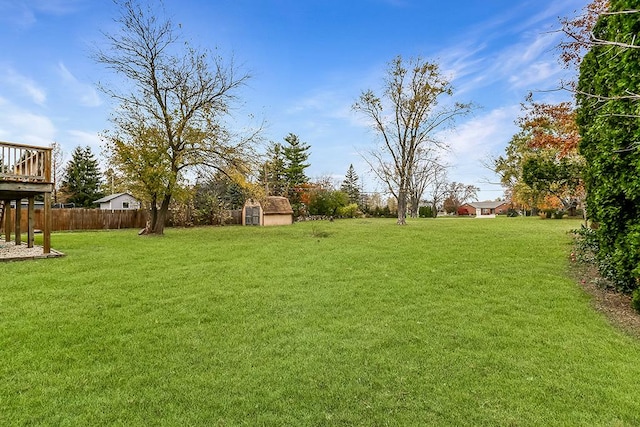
[(309, 61)]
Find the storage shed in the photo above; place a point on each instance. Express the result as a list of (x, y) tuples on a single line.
[(274, 210)]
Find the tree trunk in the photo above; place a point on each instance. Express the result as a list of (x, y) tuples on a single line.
[(414, 209), (161, 219), (402, 208), (154, 214)]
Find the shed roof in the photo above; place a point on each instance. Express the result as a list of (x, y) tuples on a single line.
[(106, 199), (276, 205), (487, 205)]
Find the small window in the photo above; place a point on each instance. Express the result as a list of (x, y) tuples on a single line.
[(125, 205)]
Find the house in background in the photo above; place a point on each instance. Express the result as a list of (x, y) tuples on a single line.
[(484, 209), (119, 202), (274, 210)]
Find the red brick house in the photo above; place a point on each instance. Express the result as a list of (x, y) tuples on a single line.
[(484, 209)]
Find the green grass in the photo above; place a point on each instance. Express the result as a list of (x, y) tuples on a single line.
[(362, 322)]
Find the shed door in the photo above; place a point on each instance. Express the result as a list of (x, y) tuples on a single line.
[(252, 215)]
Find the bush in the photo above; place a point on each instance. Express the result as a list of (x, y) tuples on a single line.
[(553, 213), (588, 250), (585, 245), (349, 211), (381, 212), (635, 300), (512, 213), (425, 212)]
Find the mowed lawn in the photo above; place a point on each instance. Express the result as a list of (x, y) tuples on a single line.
[(350, 323)]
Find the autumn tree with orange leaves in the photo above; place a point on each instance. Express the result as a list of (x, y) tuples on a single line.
[(541, 162), (578, 33)]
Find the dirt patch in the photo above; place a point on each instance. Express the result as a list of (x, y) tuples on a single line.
[(614, 305)]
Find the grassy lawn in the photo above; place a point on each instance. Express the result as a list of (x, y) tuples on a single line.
[(361, 322)]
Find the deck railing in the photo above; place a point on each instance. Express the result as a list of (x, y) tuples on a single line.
[(19, 162)]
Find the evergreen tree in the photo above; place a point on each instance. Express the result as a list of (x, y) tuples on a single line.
[(82, 180), (275, 171), (607, 116), (350, 185), (296, 154)]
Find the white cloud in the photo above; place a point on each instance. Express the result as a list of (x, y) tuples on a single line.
[(551, 13), (535, 74), (83, 138), (22, 126), (478, 137), (86, 93), (473, 143), (19, 83), (527, 60)]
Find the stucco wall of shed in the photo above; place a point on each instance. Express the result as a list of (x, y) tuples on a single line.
[(277, 219)]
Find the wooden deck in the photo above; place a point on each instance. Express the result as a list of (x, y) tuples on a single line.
[(25, 173)]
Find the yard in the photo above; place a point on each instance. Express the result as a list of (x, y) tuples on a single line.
[(359, 322)]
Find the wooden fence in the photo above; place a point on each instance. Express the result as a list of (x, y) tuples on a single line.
[(88, 219), (101, 219)]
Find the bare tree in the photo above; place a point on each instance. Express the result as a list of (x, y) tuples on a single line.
[(437, 188), (57, 168), (458, 194), (424, 174), (171, 117), (405, 117)]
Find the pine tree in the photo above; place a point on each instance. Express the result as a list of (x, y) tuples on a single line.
[(350, 185), (275, 171), (296, 153), (82, 178)]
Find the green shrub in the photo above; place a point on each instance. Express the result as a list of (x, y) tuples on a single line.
[(635, 300), (349, 211), (608, 136), (585, 245), (425, 212), (588, 250)]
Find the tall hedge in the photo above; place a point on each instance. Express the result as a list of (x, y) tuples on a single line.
[(608, 116)]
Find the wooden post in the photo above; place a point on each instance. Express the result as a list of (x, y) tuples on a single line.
[(46, 232), (30, 227), (7, 222), (17, 223)]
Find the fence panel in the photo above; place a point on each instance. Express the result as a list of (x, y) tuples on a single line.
[(88, 219), (100, 219)]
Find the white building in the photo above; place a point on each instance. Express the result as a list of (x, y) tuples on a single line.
[(118, 202)]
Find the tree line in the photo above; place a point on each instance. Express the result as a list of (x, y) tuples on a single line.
[(173, 124)]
